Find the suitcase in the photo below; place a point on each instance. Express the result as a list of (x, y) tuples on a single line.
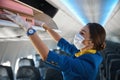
[(25, 12)]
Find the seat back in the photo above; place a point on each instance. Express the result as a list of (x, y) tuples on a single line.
[(108, 60), (53, 74), (6, 73), (28, 73), (114, 66), (117, 76)]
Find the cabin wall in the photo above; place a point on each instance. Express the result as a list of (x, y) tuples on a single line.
[(12, 50)]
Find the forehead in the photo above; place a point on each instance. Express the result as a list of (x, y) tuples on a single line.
[(85, 32), (85, 29)]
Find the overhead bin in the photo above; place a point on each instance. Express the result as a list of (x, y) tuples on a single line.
[(25, 12)]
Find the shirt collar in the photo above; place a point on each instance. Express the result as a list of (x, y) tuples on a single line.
[(84, 52)]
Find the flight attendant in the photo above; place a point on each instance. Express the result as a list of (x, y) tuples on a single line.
[(85, 57)]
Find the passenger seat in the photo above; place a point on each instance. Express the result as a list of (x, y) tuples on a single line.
[(53, 74), (28, 73), (6, 73)]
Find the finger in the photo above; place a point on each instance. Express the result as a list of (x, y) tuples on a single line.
[(18, 14), (10, 17), (8, 12), (3, 16), (13, 19)]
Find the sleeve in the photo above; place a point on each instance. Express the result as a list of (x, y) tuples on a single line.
[(67, 47), (63, 63), (59, 62)]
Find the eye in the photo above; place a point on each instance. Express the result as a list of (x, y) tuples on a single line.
[(82, 33)]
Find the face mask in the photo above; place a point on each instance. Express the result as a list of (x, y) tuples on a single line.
[(78, 39)]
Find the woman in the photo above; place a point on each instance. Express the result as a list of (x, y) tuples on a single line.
[(84, 63)]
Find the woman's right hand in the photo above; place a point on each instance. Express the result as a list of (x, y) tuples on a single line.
[(41, 24)]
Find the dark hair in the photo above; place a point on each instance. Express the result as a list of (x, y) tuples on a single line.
[(97, 35)]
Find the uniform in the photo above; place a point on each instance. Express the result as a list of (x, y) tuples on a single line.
[(84, 67)]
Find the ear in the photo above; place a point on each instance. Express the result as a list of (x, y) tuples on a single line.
[(87, 42), (104, 45), (90, 42), (89, 45)]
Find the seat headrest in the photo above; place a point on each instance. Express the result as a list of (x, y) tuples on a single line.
[(26, 62)]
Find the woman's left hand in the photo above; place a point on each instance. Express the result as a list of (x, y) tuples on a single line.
[(17, 19)]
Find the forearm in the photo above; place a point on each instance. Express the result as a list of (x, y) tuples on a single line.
[(39, 46), (52, 33), (38, 43)]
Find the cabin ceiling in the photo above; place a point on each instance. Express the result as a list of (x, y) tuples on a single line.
[(105, 12), (92, 11)]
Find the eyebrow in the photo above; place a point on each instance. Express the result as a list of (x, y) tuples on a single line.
[(83, 31)]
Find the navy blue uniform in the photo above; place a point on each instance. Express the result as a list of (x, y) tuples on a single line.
[(84, 67)]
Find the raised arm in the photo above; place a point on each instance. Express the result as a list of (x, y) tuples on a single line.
[(41, 48), (51, 32), (62, 43)]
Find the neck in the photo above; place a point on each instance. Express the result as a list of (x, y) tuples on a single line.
[(85, 49), (88, 47)]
